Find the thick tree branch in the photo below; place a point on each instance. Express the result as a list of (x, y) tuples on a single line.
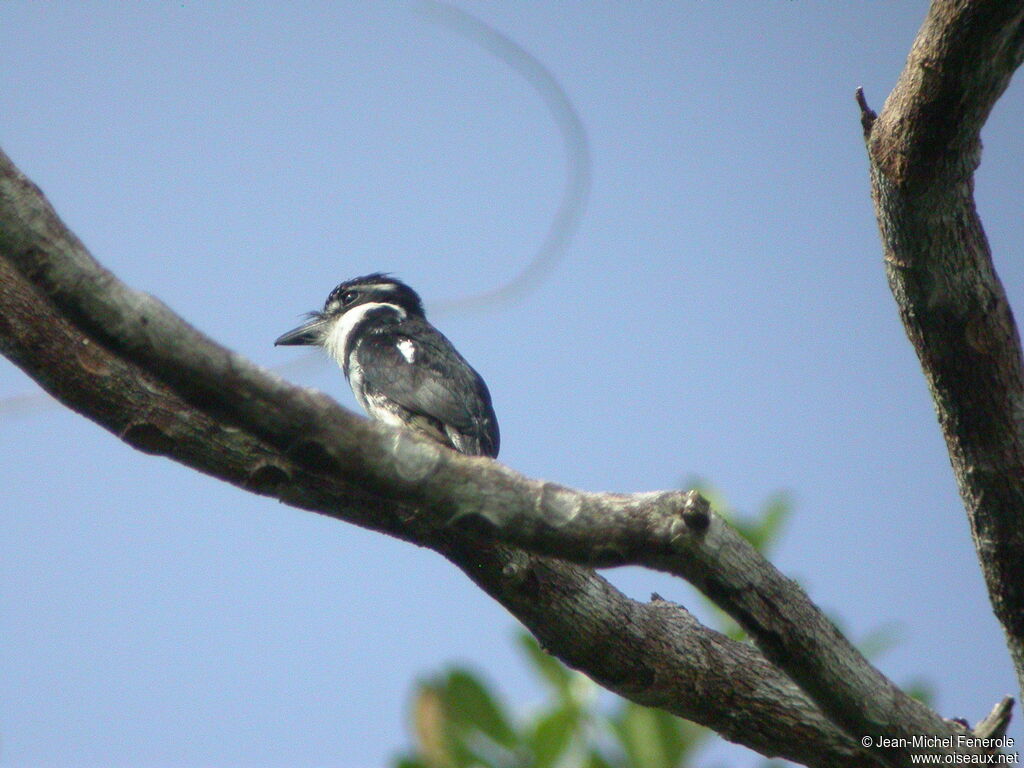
[(653, 653), (923, 149), (391, 480)]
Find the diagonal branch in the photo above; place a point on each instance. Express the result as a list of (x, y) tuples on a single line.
[(654, 653), (393, 481), (923, 149)]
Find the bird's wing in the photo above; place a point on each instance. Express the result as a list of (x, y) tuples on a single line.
[(424, 373)]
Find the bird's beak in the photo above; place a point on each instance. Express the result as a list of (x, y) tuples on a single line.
[(309, 334)]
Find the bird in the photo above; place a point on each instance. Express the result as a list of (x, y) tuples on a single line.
[(402, 370)]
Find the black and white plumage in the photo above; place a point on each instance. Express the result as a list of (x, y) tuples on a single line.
[(402, 370)]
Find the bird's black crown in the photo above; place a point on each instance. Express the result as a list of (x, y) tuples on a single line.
[(377, 287)]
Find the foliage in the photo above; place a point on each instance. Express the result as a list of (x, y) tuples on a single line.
[(458, 722)]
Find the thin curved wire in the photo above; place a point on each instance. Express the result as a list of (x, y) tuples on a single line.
[(560, 231), (574, 138)]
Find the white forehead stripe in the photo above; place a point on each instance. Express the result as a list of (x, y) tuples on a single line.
[(337, 339), (408, 350)]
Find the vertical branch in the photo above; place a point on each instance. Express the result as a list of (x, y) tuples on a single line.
[(923, 149)]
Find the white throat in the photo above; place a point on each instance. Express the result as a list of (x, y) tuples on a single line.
[(338, 338)]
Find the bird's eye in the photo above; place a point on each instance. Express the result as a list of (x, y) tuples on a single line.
[(348, 297)]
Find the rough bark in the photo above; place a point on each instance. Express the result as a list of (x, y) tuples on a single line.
[(126, 361), (653, 653), (923, 150), (391, 480)]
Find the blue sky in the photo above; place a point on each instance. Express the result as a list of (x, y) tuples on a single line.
[(721, 312)]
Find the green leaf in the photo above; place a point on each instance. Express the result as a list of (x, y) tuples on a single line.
[(726, 624), (693, 736), (879, 640), (596, 760), (760, 530), (714, 497), (468, 703), (649, 741), (774, 514), (670, 737), (552, 735), (461, 756), (921, 690), (653, 738), (551, 669), (763, 530)]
